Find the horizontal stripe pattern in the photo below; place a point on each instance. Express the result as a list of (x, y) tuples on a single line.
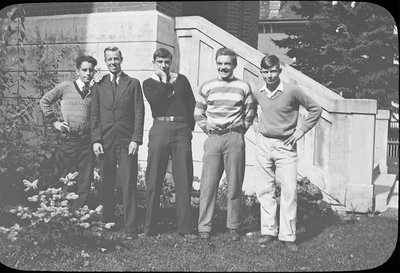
[(224, 104)]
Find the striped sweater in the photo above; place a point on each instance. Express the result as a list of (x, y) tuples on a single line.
[(224, 104), (75, 110)]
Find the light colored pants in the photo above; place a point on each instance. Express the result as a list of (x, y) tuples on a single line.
[(222, 152), (276, 163)]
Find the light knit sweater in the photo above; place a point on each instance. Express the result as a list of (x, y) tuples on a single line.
[(224, 104), (277, 116), (75, 110)]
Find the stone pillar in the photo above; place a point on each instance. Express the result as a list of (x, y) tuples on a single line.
[(381, 140)]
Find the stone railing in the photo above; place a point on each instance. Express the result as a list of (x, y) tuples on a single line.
[(337, 155)]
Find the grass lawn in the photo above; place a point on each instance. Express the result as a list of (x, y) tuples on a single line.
[(357, 242)]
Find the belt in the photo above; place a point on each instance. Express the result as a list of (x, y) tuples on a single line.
[(176, 119), (224, 131)]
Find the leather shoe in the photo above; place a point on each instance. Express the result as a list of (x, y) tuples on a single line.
[(129, 235), (189, 236), (234, 235), (204, 235), (143, 235), (265, 239), (291, 245)]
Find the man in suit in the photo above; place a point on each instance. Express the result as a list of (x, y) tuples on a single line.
[(117, 117)]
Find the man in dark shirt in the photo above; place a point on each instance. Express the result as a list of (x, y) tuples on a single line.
[(172, 104)]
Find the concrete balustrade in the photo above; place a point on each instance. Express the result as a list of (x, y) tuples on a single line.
[(337, 155)]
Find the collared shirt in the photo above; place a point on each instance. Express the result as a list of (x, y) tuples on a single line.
[(81, 85), (118, 76), (270, 93)]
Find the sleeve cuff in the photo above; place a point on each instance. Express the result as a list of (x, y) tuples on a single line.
[(51, 118)]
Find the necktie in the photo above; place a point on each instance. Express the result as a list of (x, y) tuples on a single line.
[(85, 90), (114, 85)]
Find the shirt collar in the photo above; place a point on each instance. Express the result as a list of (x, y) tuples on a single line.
[(278, 88), (118, 76), (80, 83)]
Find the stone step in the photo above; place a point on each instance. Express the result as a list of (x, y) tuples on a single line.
[(383, 190)]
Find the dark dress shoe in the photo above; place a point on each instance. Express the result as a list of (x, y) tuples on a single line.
[(265, 239), (189, 236), (234, 234), (204, 235), (291, 245), (143, 235)]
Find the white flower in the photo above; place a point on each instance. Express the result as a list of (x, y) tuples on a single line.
[(4, 230), (85, 217), (334, 3), (72, 176), (33, 198), (96, 175), (109, 225), (16, 227), (69, 184), (55, 191), (64, 203), (13, 210), (85, 225), (72, 196), (353, 4), (30, 185), (26, 216), (99, 208)]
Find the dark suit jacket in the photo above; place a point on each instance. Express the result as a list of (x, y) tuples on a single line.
[(120, 118)]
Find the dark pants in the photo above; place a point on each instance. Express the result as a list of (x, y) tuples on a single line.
[(116, 161), (78, 153), (169, 138)]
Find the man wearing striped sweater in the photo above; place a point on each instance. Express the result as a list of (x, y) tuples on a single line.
[(224, 111), (75, 100), (276, 136)]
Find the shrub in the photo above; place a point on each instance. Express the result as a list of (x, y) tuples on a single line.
[(48, 220)]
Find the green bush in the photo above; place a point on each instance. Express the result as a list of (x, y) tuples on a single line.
[(48, 221)]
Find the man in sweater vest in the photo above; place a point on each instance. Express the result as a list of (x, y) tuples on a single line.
[(277, 132), (75, 99), (224, 111), (172, 105)]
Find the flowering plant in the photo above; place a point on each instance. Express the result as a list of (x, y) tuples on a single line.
[(49, 217)]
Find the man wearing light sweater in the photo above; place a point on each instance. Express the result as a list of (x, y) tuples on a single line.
[(224, 111), (277, 105), (75, 99)]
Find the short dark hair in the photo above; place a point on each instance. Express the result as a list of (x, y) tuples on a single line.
[(112, 48), (228, 52), (269, 61), (162, 53), (85, 58)]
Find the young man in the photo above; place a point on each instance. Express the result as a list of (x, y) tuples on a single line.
[(117, 117), (224, 111), (276, 136), (172, 104), (75, 98)]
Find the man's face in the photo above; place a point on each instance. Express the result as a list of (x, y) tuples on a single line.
[(86, 72), (163, 64), (113, 61), (225, 66), (271, 75)]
